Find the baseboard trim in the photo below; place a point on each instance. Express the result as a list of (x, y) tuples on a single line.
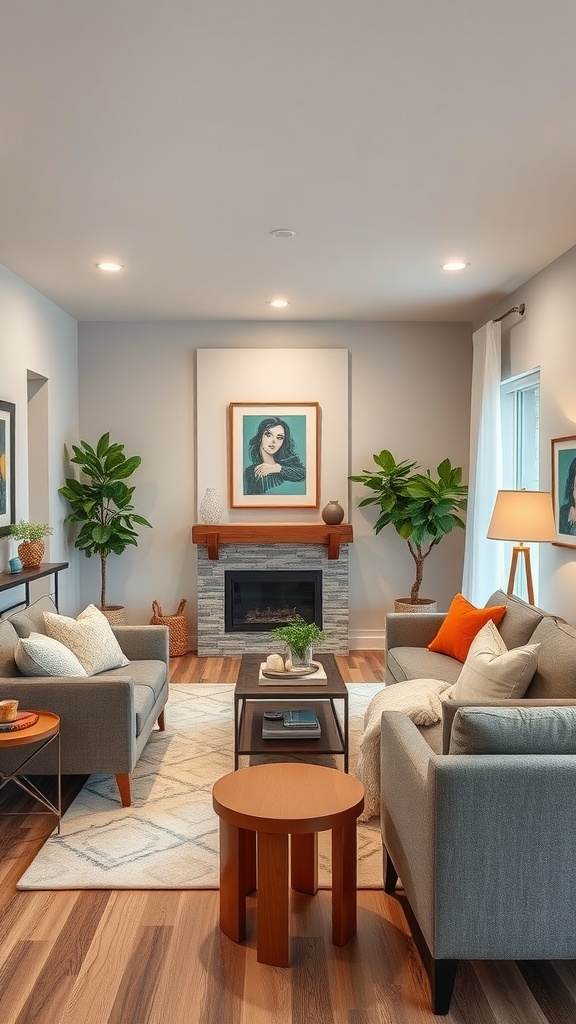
[(367, 639)]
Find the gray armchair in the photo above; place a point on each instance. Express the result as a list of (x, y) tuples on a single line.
[(483, 842), (106, 719)]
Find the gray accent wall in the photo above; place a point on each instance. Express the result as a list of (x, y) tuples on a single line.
[(409, 390)]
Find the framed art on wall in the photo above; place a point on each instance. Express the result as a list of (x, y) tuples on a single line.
[(564, 490), (274, 455), (7, 467)]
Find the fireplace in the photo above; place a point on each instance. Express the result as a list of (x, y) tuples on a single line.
[(256, 601)]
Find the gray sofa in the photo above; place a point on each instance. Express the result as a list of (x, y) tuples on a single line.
[(106, 719), (483, 842)]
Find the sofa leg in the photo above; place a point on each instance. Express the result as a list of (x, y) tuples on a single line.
[(442, 978), (390, 873), (123, 783), (162, 721)]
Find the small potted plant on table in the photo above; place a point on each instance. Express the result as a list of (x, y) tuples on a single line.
[(300, 636), (31, 537)]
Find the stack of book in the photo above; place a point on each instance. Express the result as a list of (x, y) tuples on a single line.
[(299, 723)]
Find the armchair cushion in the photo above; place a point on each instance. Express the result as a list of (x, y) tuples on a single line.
[(492, 671), (31, 619), (89, 637), (546, 730), (462, 623), (39, 655)]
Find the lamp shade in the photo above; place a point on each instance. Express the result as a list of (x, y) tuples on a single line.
[(522, 515)]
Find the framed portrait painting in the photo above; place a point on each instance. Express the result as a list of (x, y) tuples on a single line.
[(564, 490), (7, 467), (274, 455)]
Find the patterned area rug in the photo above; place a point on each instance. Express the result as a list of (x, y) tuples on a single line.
[(168, 839)]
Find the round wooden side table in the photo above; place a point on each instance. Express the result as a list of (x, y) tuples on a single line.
[(259, 809), (43, 732)]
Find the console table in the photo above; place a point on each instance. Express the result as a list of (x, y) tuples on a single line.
[(9, 580)]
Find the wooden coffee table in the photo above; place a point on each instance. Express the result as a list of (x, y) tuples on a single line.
[(248, 711), (43, 732), (259, 809)]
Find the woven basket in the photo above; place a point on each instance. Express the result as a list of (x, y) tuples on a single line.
[(177, 627)]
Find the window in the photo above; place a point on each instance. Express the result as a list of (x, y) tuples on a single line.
[(520, 399)]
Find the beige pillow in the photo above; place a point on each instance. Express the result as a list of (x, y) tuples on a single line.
[(39, 655), (491, 671), (89, 637)]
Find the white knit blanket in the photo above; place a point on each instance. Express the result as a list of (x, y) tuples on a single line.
[(421, 700)]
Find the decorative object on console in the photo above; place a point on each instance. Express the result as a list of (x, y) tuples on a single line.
[(7, 467), (177, 627), (299, 636), (211, 508), (563, 490), (274, 455), (101, 504), (333, 513), (31, 547), (527, 515), (15, 564), (421, 509)]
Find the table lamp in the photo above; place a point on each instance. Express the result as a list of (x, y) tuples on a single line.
[(527, 515)]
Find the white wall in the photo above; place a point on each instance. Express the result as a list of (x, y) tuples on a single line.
[(37, 336), (281, 375), (409, 391), (546, 337)]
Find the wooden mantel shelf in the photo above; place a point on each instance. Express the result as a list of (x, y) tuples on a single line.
[(272, 533)]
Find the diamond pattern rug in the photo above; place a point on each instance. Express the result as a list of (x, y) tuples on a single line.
[(168, 839)]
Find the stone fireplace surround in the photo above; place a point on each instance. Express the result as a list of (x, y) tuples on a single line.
[(219, 551)]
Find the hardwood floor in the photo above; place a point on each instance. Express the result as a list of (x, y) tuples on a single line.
[(153, 957)]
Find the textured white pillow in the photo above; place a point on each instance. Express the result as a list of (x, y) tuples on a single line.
[(90, 637), (39, 655), (420, 699), (491, 671)]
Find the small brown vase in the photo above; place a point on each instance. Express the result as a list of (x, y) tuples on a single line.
[(332, 513), (31, 553)]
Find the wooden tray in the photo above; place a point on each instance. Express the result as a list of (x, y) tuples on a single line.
[(294, 673)]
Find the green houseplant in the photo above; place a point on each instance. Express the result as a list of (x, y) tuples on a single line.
[(422, 509), (31, 537), (299, 636), (102, 502)]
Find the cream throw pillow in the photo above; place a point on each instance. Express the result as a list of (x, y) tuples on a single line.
[(419, 699), (491, 671), (39, 655), (89, 637)]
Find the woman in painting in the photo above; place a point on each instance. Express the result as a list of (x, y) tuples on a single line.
[(567, 516), (273, 458)]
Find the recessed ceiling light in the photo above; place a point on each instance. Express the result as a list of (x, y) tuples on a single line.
[(110, 267), (455, 265), (278, 303), (283, 233)]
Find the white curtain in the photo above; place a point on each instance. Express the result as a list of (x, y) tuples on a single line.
[(484, 559)]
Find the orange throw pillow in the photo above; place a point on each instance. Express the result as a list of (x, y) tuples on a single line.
[(462, 623)]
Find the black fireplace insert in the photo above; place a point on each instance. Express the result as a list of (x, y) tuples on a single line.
[(257, 601)]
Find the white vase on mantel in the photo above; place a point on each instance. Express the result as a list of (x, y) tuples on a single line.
[(211, 508)]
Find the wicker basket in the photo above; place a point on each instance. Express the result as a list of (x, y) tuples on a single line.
[(177, 627)]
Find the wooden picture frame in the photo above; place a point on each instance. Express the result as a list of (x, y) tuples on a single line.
[(274, 454), (7, 467), (563, 486)]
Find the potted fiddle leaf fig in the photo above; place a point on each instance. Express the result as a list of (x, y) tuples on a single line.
[(102, 506), (421, 508)]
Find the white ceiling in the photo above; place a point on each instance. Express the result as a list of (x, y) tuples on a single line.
[(174, 135)]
